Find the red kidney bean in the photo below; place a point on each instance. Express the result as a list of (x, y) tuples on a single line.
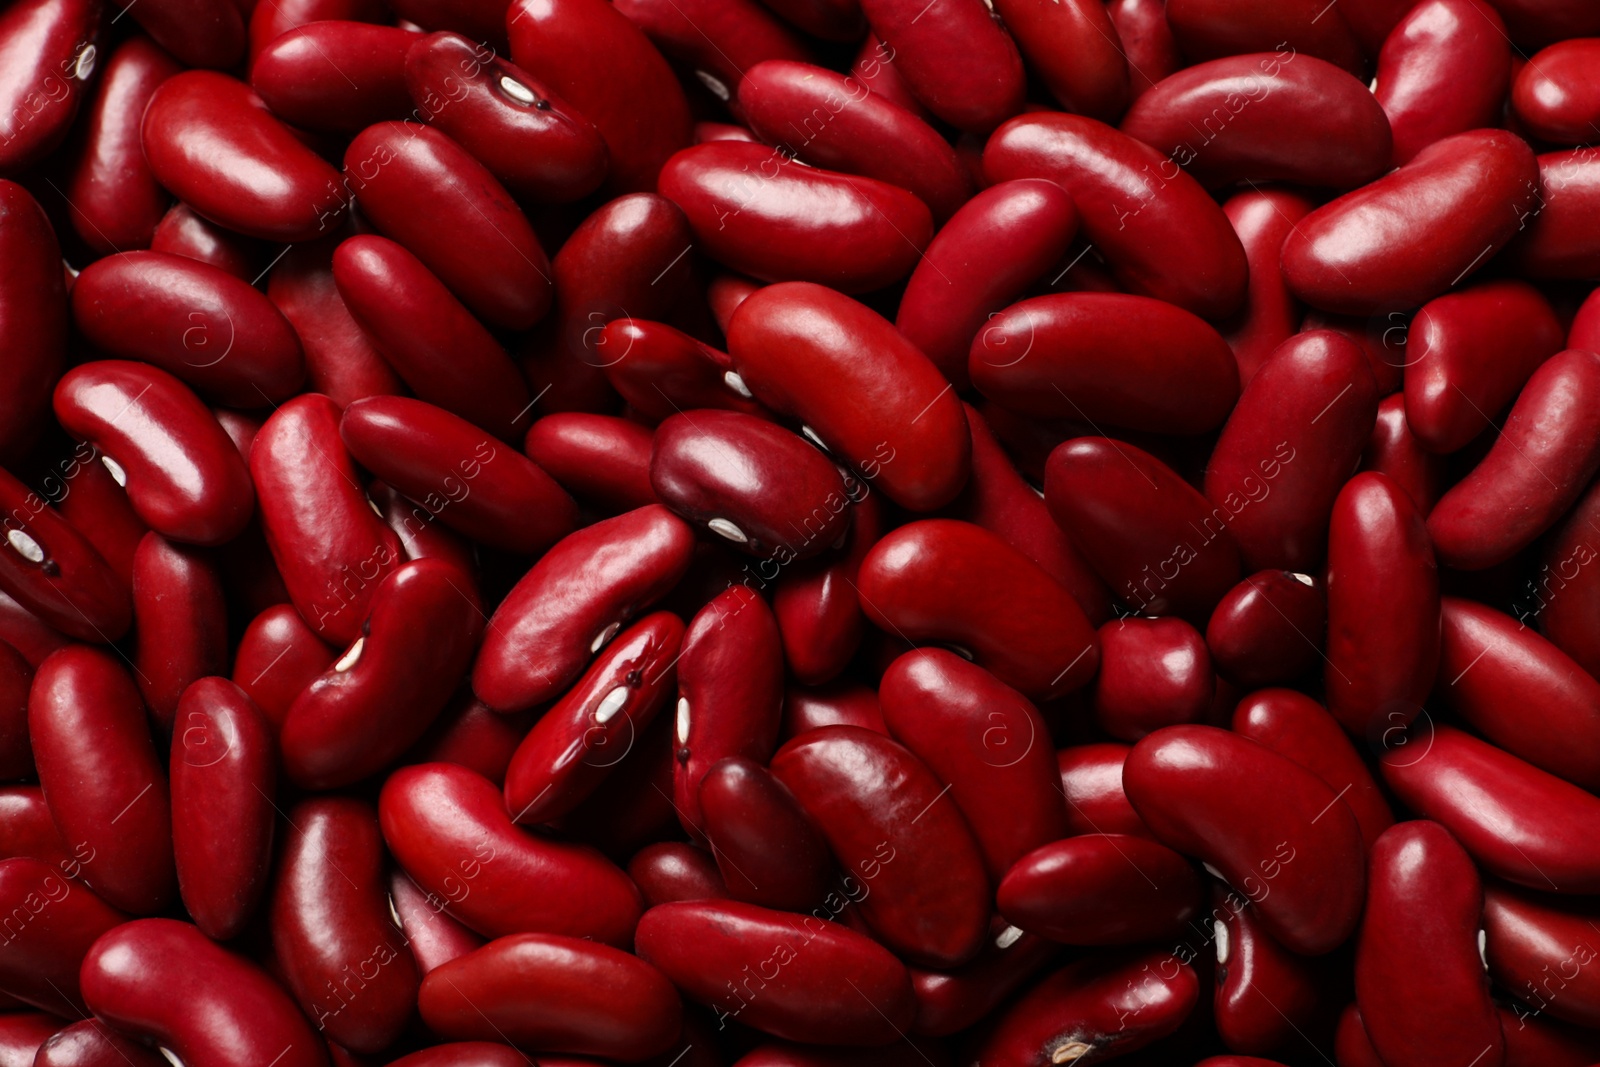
[(199, 33), (581, 739), (1462, 199), (184, 477), (1516, 821), (466, 479), (16, 677), (1115, 1004), (942, 580), (1075, 49), (1555, 97), (1530, 944), (1307, 414), (636, 808), (1531, 475), (164, 980), (1382, 338), (669, 871), (335, 75), (1091, 783), (1381, 660), (92, 1043), (778, 972), (1113, 179), (765, 847), (1444, 69), (719, 42), (1468, 354), (181, 622), (113, 198), (1146, 43), (331, 549), (22, 1034), (444, 354), (102, 778), (755, 210), (831, 20), (183, 233), (99, 508), (816, 604), (538, 145), (1140, 533), (840, 703), (1263, 218), (573, 601), (840, 124), (661, 371), (26, 829), (601, 459), (381, 695), (1153, 673), (1106, 357), (1208, 29), (862, 390), (1266, 999), (50, 924), (593, 57), (33, 303), (1539, 24), (964, 278), (342, 954), (1264, 117), (433, 937), (210, 140), (556, 993), (56, 576), (1205, 791), (1531, 1042), (1101, 889), (1562, 590), (430, 195), (926, 894), (951, 1001), (1561, 222), (47, 50), (1492, 669), (224, 777), (873, 66), (470, 734), (419, 537), (1425, 903), (448, 827), (959, 62), (278, 656), (466, 1054), (1268, 629), (268, 22)]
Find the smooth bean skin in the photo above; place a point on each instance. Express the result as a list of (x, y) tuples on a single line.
[(1532, 475), (573, 600), (278, 656), (181, 232), (472, 483), (1269, 825), (1555, 95), (1110, 1003), (33, 319), (335, 75), (987, 742), (181, 622), (342, 955), (92, 1043), (1312, 406), (433, 197), (943, 580), (50, 923), (719, 952), (1383, 608), (963, 278), (47, 50), (669, 871), (210, 140), (1106, 358), (1467, 356), (957, 62), (951, 1001), (1136, 206), (816, 604), (767, 850), (199, 33), (593, 57), (1075, 49), (1516, 821), (730, 694), (662, 371), (1206, 29), (1265, 997), (1424, 903), (91, 741), (432, 937), (1298, 728), (1530, 939), (114, 200), (535, 143), (1268, 629), (1404, 239), (867, 394), (1152, 537), (1559, 225), (331, 549), (865, 134), (448, 827), (99, 507), (1254, 118), (839, 703), (1153, 673), (224, 777), (464, 1054), (1263, 218), (1101, 889), (1444, 69), (601, 459), (718, 43), (558, 993), (754, 210), (389, 686), (1561, 595), (1091, 784), (164, 980), (1147, 43), (57, 579), (582, 737), (433, 342), (27, 829)]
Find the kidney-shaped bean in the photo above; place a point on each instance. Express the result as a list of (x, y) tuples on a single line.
[(955, 59), (1541, 951), (1266, 997), (768, 851), (1444, 68), (1206, 29), (1559, 225), (180, 622), (335, 74), (57, 578), (661, 371), (92, 1043), (50, 923), (47, 50), (1102, 889), (1555, 95), (1268, 630)]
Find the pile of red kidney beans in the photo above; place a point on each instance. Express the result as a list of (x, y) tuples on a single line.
[(784, 533)]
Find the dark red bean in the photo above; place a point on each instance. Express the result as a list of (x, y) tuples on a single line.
[(432, 937), (956, 60), (1263, 218), (1268, 630), (1540, 950), (50, 924), (719, 41), (669, 871), (47, 50), (766, 848), (1554, 95), (661, 371), (951, 1001), (816, 603), (1444, 69), (16, 677), (1091, 783), (1153, 673), (335, 75), (1266, 998), (601, 459), (1101, 889), (1206, 29), (180, 619), (33, 303), (1147, 43), (1559, 225), (55, 577), (278, 656), (92, 1043), (181, 232), (840, 703)]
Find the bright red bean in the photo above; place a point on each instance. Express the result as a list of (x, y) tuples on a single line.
[(601, 459), (1444, 69), (1541, 951), (1268, 629), (278, 656), (47, 51), (1263, 218), (335, 75), (181, 622), (1153, 673), (1558, 226), (1102, 889)]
